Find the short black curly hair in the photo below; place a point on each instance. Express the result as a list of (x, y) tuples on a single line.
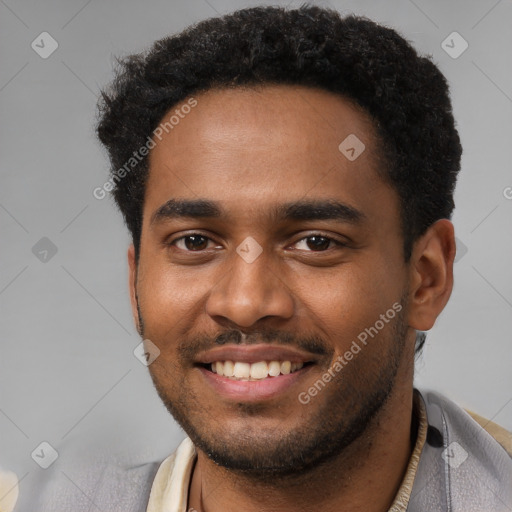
[(405, 95)]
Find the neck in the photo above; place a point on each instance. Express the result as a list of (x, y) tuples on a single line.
[(365, 477)]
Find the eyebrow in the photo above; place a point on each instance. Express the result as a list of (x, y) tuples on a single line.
[(296, 210)]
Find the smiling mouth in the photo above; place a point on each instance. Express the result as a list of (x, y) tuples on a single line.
[(261, 370)]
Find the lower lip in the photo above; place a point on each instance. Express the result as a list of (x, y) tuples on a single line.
[(253, 390)]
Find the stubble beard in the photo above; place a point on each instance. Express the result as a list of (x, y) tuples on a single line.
[(354, 399)]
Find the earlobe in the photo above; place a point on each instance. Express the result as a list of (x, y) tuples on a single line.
[(431, 279)]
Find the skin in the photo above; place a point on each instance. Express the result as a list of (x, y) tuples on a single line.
[(250, 149)]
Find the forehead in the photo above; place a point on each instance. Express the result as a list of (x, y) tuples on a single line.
[(262, 119), (247, 147)]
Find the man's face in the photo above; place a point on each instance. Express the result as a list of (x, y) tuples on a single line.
[(301, 286)]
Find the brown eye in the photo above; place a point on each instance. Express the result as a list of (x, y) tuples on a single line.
[(192, 243), (317, 243)]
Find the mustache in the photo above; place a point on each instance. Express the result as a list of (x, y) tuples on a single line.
[(188, 349)]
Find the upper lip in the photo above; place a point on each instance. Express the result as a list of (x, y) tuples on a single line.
[(254, 354)]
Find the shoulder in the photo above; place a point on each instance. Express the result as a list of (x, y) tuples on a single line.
[(502, 436), (467, 423), (83, 486), (462, 466)]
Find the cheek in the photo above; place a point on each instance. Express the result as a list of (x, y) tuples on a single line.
[(170, 296), (351, 299)]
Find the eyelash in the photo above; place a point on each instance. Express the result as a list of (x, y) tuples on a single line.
[(338, 243)]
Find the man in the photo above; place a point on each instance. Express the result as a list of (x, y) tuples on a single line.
[(287, 177)]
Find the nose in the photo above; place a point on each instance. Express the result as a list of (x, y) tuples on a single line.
[(250, 291)]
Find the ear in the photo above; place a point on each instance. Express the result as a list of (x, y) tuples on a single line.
[(431, 278), (132, 279)]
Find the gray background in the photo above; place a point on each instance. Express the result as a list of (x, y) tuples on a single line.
[(68, 375)]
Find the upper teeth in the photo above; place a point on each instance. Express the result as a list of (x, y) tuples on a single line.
[(254, 371)]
